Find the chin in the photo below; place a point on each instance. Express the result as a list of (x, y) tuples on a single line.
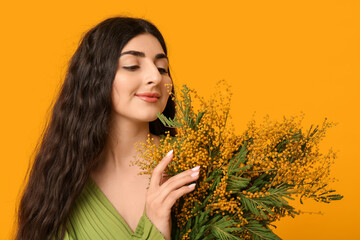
[(149, 118)]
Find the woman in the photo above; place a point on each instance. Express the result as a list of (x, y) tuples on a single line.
[(81, 185)]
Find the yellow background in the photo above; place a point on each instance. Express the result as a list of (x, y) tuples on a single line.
[(281, 58)]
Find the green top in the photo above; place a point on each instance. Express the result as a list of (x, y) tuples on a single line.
[(94, 217)]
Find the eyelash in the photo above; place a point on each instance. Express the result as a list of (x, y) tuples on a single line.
[(163, 70), (133, 68)]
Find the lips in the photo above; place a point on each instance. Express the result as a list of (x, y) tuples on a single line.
[(149, 97)]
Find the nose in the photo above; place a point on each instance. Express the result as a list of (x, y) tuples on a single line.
[(153, 75)]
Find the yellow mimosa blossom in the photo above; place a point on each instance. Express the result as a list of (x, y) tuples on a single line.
[(246, 177)]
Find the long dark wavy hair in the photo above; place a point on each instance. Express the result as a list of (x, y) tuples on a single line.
[(77, 131)]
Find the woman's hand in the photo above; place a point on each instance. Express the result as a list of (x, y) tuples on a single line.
[(162, 195)]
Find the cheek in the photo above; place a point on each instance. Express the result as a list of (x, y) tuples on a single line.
[(115, 94), (119, 93)]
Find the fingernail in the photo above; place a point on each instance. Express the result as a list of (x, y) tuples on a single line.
[(196, 168), (192, 185), (195, 174), (169, 153)]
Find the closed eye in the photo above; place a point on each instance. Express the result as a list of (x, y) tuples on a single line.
[(131, 68), (162, 70)]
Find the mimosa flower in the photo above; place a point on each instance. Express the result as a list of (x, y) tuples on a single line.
[(246, 178)]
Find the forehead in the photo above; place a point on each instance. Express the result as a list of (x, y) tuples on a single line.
[(146, 43)]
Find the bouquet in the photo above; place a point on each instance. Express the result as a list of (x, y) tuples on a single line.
[(246, 179)]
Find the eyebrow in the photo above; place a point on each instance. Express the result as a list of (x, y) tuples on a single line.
[(141, 54)]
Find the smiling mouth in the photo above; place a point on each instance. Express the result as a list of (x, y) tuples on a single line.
[(148, 99)]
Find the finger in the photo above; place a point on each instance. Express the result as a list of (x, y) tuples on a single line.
[(183, 175), (164, 178), (157, 173), (176, 182), (175, 195)]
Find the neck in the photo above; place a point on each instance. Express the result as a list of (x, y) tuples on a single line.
[(120, 149)]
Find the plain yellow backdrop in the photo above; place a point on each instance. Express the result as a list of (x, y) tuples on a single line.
[(281, 58)]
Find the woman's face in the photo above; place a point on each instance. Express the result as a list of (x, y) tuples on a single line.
[(142, 83)]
